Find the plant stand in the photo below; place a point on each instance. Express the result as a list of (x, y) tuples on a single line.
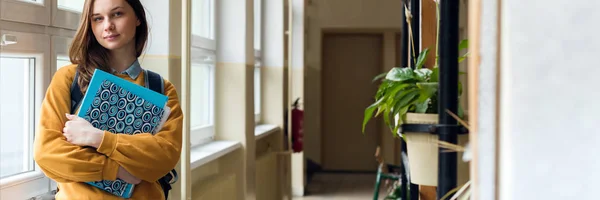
[(447, 129)]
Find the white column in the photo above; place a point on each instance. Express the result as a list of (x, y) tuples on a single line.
[(234, 101)]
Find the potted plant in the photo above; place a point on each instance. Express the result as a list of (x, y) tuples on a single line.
[(408, 95)]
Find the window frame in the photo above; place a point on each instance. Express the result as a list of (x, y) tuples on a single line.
[(64, 18), (258, 65), (17, 11), (258, 4), (203, 134), (31, 183), (60, 46), (258, 30), (203, 51)]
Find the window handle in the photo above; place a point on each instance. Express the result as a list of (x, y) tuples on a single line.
[(8, 39)]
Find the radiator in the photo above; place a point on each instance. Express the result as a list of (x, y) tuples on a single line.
[(216, 188), (267, 175)]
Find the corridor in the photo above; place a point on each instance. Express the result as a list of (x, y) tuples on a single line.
[(341, 186)]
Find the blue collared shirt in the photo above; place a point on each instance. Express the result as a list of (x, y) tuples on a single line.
[(133, 71)]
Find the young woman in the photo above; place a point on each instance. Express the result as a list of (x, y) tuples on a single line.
[(111, 37)]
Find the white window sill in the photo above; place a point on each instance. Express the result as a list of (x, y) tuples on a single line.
[(264, 130), (205, 153), (211, 151)]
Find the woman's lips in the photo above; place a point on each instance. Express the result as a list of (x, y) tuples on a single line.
[(111, 37)]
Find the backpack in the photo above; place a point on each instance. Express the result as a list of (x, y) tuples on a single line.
[(154, 81)]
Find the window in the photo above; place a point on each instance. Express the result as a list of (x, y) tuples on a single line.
[(67, 13), (202, 84), (71, 5), (40, 2), (257, 58), (61, 61), (257, 24), (60, 49), (203, 18), (27, 63), (23, 11), (16, 115), (257, 87), (23, 76)]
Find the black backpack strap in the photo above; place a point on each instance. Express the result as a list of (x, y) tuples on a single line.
[(154, 81), (76, 94)]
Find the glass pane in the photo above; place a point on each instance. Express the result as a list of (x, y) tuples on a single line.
[(72, 5), (34, 1), (16, 119), (257, 24), (62, 61), (200, 95), (256, 90), (203, 18)]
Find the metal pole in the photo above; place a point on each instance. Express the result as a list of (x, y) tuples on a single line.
[(404, 52), (448, 93), (403, 63), (415, 10)]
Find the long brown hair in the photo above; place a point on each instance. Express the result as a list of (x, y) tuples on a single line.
[(88, 54)]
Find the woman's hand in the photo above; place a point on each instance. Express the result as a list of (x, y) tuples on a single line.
[(80, 132), (127, 177)]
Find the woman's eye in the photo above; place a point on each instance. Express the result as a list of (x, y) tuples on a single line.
[(97, 19), (118, 14)]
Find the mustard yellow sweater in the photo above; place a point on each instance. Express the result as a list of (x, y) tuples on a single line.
[(146, 156)]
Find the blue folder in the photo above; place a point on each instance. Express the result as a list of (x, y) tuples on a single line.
[(122, 107)]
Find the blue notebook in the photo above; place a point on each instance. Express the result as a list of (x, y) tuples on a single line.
[(119, 106)]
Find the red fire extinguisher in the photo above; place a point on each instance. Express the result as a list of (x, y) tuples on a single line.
[(297, 121)]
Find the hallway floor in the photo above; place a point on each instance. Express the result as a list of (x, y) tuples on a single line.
[(341, 186)]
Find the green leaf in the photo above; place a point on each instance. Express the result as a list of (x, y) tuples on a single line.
[(463, 57), (406, 98), (386, 117), (382, 89), (397, 87), (463, 44), (422, 107), (369, 113), (427, 90), (421, 58), (423, 74), (401, 112), (435, 75), (460, 111), (400, 74), (380, 76), (460, 88)]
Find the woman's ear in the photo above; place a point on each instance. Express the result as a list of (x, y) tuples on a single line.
[(138, 23)]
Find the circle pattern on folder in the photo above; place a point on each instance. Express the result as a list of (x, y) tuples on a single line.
[(116, 109)]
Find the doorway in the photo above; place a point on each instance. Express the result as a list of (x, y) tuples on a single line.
[(349, 63)]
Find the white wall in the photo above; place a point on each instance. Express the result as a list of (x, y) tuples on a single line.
[(486, 112), (359, 13), (157, 15), (549, 138)]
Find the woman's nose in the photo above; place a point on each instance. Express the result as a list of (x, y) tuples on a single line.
[(108, 25)]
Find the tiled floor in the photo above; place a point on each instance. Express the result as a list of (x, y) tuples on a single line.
[(341, 186)]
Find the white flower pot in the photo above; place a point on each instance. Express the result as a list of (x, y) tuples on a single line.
[(423, 153)]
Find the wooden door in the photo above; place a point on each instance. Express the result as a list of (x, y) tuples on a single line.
[(349, 63)]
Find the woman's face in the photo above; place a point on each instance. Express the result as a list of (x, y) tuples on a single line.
[(114, 23)]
